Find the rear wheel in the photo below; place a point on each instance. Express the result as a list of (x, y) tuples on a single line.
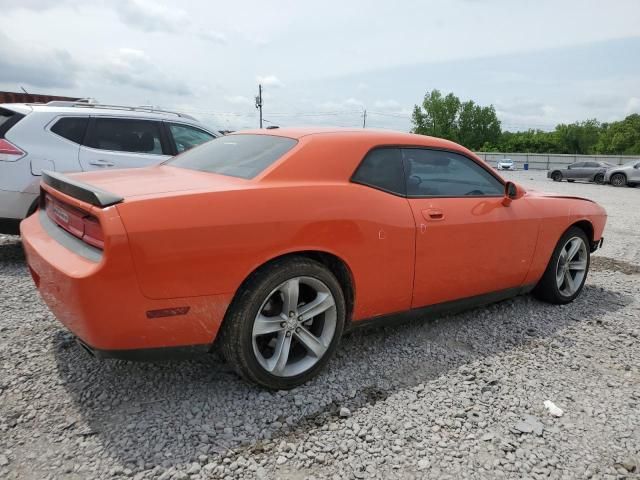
[(599, 178), (618, 180), (285, 324), (556, 176), (567, 271)]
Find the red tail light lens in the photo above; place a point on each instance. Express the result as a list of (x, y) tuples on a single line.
[(93, 232), (75, 221), (8, 151)]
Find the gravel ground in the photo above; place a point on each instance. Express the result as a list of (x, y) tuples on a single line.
[(461, 397)]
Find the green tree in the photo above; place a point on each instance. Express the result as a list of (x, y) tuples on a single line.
[(464, 122), (620, 138), (579, 138)]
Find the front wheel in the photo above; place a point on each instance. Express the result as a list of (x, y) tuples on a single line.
[(567, 270), (284, 324), (599, 178)]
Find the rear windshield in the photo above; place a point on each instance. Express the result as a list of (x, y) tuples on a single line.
[(8, 118), (243, 156)]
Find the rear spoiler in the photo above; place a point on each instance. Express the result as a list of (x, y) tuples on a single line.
[(80, 190)]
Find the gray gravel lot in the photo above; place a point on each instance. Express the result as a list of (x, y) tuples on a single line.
[(454, 398)]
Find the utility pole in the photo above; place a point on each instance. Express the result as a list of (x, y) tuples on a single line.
[(364, 118), (259, 102)]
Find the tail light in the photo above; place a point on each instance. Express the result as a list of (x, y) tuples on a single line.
[(77, 222), (9, 152)]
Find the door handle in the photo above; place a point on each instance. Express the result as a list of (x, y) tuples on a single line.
[(433, 214), (101, 163)]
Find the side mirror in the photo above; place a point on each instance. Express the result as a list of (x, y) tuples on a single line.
[(511, 192)]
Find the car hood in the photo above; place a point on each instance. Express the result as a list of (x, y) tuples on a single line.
[(156, 180)]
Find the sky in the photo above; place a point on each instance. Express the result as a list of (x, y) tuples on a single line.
[(538, 62)]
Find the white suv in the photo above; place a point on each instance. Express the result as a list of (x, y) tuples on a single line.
[(80, 136)]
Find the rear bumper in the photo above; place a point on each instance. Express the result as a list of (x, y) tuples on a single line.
[(100, 302), (148, 354)]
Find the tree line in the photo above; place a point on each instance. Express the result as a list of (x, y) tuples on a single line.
[(478, 128)]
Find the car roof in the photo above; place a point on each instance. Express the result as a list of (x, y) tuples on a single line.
[(378, 136), (80, 108)]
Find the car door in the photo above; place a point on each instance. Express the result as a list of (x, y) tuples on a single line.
[(467, 242), (120, 142), (185, 137), (634, 173), (576, 171)]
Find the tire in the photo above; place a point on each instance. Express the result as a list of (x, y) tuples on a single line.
[(570, 181), (618, 180), (556, 176), (560, 291), (259, 306), (598, 178)]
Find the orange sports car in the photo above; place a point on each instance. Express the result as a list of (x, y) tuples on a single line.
[(272, 243)]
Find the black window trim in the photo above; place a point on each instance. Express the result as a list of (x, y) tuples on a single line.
[(487, 168), (56, 119), (164, 141)]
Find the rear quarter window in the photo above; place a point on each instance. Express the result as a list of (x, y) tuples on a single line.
[(8, 118), (71, 128), (243, 156)]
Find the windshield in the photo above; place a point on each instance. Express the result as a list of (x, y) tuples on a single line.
[(243, 156)]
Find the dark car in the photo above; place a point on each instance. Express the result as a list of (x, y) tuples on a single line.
[(585, 171)]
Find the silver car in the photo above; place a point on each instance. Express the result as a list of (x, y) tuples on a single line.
[(585, 171), (627, 174)]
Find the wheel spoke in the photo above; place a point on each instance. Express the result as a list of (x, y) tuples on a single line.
[(264, 324), (578, 265), (560, 277), (322, 303), (569, 282), (312, 343), (573, 249), (290, 292), (278, 361)]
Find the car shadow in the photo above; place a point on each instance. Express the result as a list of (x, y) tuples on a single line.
[(11, 250), (190, 408)]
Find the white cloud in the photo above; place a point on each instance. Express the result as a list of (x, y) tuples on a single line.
[(128, 66), (239, 100), (36, 65), (386, 104), (269, 81), (151, 16), (213, 36), (633, 105)]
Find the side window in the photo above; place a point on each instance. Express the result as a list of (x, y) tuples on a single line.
[(591, 165), (71, 128), (187, 137), (446, 174), (126, 135), (382, 169), (576, 165)]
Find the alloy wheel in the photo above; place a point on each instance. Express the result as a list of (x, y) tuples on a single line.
[(294, 326), (618, 180), (572, 266)]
